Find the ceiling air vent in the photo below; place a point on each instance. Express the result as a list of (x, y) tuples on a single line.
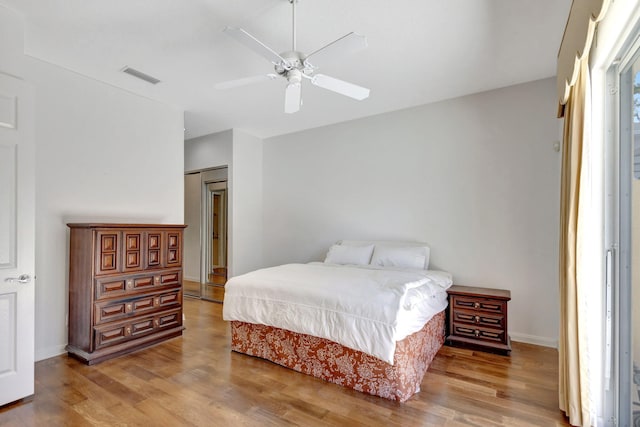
[(140, 75)]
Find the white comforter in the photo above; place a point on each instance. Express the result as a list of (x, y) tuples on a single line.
[(365, 308)]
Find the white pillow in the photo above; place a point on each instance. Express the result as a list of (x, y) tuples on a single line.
[(404, 257), (342, 254), (393, 244)]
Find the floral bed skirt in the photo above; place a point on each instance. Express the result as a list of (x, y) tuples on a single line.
[(341, 365)]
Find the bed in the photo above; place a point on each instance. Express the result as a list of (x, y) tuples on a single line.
[(370, 317)]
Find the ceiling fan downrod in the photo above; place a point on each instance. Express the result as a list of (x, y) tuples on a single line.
[(293, 6)]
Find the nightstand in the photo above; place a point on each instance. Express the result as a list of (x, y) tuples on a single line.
[(478, 317)]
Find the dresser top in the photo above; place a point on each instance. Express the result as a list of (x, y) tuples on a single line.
[(481, 292), (117, 225)]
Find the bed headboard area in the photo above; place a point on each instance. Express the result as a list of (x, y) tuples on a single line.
[(385, 253)]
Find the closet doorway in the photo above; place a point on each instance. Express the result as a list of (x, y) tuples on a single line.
[(206, 240)]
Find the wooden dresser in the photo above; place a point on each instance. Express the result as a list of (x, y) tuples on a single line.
[(125, 288), (478, 317)]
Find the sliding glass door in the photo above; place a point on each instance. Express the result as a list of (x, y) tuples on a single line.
[(622, 166)]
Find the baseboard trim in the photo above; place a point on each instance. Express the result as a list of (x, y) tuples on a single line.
[(534, 339), (46, 353)]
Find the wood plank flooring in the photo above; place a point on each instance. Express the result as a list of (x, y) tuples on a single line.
[(196, 381), (211, 291)]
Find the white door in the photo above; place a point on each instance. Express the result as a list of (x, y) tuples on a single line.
[(17, 239)]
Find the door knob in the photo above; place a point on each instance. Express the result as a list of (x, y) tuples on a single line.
[(23, 278)]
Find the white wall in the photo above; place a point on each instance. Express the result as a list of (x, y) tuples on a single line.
[(208, 151), (246, 190), (11, 42), (102, 154), (192, 211), (475, 177)]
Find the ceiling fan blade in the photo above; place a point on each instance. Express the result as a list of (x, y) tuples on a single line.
[(292, 97), (256, 45), (230, 84), (340, 86), (346, 44)]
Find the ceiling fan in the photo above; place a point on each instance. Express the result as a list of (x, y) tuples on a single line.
[(294, 65)]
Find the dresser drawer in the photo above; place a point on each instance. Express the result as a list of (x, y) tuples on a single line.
[(109, 311), (115, 333), (169, 278), (122, 286), (487, 305), (478, 318)]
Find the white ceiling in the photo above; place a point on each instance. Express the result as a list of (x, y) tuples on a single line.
[(420, 51)]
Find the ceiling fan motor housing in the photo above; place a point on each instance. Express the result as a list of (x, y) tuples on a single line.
[(294, 61)]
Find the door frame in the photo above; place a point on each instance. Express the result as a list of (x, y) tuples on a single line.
[(219, 188)]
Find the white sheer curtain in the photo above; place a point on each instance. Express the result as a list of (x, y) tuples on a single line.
[(576, 250), (574, 396)]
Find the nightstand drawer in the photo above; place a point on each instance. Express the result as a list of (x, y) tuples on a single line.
[(477, 318), (478, 304), (478, 333)]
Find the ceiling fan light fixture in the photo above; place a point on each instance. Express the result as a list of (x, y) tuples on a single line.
[(293, 97)]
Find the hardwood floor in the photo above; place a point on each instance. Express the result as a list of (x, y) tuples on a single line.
[(196, 381), (211, 291), (190, 287)]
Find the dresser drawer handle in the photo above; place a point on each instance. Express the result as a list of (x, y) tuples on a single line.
[(129, 308), (476, 333), (477, 319), (128, 331), (476, 304)]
